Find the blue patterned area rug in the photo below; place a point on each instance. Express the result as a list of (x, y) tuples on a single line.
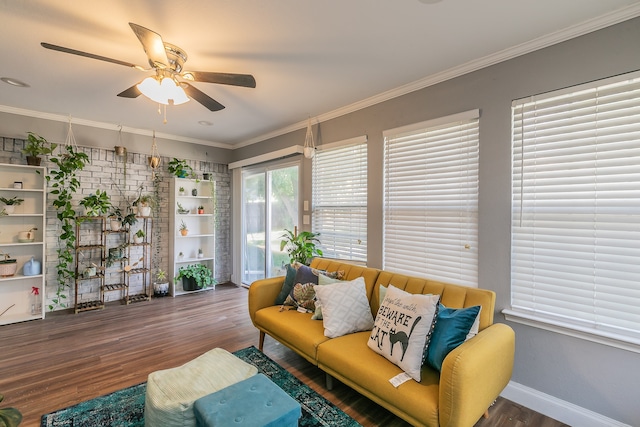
[(125, 408)]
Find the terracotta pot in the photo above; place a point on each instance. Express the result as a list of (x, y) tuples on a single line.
[(184, 232), (154, 162)]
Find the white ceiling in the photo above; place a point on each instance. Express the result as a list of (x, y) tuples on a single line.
[(309, 58)]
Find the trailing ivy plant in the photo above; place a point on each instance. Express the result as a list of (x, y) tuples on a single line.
[(157, 235), (64, 183)]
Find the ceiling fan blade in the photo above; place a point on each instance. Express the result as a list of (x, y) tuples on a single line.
[(245, 80), (202, 97), (132, 92), (87, 55), (152, 44)]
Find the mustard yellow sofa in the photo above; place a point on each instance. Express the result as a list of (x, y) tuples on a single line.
[(472, 375)]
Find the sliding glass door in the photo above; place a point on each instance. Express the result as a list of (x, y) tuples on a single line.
[(269, 206)]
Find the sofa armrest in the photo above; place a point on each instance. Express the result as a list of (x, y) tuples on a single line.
[(474, 374), (263, 293)]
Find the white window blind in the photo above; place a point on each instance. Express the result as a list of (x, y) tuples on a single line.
[(575, 255), (340, 200), (431, 199)]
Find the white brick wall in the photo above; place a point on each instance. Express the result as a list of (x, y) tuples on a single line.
[(105, 171)]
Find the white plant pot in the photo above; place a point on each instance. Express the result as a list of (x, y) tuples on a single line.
[(144, 210), (115, 225), (9, 208), (137, 239)]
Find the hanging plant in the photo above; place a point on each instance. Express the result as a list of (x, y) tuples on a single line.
[(64, 182), (157, 235)]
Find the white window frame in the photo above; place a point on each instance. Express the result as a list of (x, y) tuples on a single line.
[(339, 208), (431, 199), (575, 252)]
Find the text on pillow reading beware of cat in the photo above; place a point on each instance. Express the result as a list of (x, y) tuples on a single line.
[(402, 328)]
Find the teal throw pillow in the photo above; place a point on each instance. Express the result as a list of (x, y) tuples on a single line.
[(289, 281), (452, 327)]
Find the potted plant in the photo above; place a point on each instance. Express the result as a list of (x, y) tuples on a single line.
[(10, 204), (301, 247), (10, 417), (200, 209), (115, 218), (115, 254), (180, 168), (200, 253), (96, 204), (144, 203), (195, 276), (180, 256), (8, 266), (183, 228), (138, 236), (161, 285), (36, 147), (182, 210), (181, 191)]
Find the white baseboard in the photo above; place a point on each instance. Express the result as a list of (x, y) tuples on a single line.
[(555, 408)]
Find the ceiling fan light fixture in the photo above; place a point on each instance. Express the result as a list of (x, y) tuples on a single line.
[(163, 91)]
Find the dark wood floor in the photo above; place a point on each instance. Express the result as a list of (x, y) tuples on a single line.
[(49, 364)]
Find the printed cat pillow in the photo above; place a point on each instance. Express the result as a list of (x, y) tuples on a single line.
[(402, 328)]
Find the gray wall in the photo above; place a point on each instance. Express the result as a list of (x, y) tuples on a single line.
[(593, 376)]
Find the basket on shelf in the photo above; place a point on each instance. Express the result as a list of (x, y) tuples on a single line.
[(8, 266)]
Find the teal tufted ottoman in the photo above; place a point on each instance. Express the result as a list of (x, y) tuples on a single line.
[(254, 402), (171, 392)]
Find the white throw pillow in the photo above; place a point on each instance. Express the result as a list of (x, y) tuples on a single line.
[(345, 307), (402, 328)]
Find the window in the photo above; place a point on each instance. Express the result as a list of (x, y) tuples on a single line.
[(340, 199), (575, 254), (431, 199)]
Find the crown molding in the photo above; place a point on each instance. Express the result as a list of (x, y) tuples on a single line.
[(551, 39), (108, 126)]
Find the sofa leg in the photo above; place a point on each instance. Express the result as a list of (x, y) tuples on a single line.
[(261, 342), (328, 381), (486, 414)]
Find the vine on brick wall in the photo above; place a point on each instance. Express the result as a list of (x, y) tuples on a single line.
[(65, 184)]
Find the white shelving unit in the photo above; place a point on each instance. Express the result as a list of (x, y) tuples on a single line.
[(201, 228), (15, 291)]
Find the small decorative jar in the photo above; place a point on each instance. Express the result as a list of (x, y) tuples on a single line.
[(17, 184), (194, 192)]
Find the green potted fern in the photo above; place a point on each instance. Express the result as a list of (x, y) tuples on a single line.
[(194, 277), (37, 146), (301, 246)]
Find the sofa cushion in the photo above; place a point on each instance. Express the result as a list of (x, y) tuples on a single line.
[(294, 329), (302, 296), (323, 279), (345, 308), (350, 360), (402, 328), (451, 329), (289, 281)]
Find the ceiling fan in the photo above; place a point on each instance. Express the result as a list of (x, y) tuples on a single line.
[(167, 60)]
